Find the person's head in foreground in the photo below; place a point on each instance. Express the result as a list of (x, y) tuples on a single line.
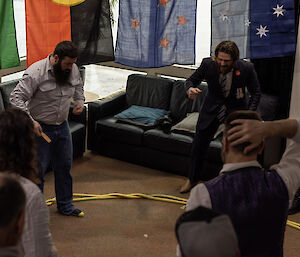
[(226, 54), (203, 232), (17, 143), (64, 56), (237, 152), (12, 202)]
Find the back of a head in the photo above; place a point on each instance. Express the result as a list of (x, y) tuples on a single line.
[(12, 199), (228, 47), (66, 48), (17, 143), (242, 114), (203, 232)]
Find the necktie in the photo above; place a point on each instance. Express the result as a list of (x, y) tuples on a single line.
[(224, 78), (222, 112)]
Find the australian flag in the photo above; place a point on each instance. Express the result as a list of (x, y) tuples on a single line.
[(156, 33), (260, 28)]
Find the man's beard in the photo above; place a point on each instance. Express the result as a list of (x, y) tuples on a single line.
[(224, 69), (61, 76)]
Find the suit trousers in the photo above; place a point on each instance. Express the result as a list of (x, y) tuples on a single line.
[(202, 139)]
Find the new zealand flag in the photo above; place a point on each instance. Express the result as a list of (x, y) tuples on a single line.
[(156, 33)]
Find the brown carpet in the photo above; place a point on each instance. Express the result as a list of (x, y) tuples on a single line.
[(125, 227)]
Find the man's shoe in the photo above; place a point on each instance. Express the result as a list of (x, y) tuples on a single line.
[(295, 206), (75, 213), (187, 187)]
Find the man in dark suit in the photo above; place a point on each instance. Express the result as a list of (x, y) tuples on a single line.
[(227, 77)]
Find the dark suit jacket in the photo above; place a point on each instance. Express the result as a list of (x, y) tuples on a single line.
[(244, 76)]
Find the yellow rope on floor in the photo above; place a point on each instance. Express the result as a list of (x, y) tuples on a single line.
[(293, 224), (156, 197)]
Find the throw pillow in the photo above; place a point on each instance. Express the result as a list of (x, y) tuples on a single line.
[(187, 125), (141, 116)]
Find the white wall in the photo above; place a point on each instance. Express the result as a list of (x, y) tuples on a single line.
[(295, 99)]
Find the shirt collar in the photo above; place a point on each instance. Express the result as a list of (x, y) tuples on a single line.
[(48, 64), (238, 165)]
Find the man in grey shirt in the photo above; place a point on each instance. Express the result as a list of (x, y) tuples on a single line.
[(44, 92)]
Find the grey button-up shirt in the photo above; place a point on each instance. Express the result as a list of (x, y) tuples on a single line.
[(39, 95)]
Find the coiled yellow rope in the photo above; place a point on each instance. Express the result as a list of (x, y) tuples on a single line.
[(156, 197)]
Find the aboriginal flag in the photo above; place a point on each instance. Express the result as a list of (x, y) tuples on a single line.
[(85, 22)]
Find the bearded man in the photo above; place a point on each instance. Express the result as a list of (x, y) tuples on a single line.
[(44, 92), (227, 77)]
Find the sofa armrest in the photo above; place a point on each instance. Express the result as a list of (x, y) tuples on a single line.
[(100, 109), (81, 118)]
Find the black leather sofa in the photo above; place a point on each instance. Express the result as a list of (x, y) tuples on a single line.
[(77, 123), (153, 147)]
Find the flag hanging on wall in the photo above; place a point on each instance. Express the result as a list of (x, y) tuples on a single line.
[(156, 33), (261, 29), (9, 56), (85, 22)]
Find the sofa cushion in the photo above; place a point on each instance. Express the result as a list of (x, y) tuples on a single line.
[(1, 103), (141, 116), (214, 151), (188, 125), (111, 130), (78, 138), (268, 107), (171, 143), (6, 88), (148, 91), (179, 101)]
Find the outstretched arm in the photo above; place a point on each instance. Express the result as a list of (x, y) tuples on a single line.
[(194, 80)]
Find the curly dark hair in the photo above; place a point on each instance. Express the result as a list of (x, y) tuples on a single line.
[(228, 47), (17, 144), (66, 48)]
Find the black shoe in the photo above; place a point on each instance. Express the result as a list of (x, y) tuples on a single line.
[(75, 213), (296, 204)]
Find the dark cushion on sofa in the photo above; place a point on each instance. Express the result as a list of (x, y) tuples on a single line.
[(214, 151), (141, 116), (78, 138), (6, 88), (171, 143), (148, 91), (178, 101), (1, 103), (110, 129), (268, 107)]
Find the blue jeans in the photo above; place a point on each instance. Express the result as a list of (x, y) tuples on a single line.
[(59, 154)]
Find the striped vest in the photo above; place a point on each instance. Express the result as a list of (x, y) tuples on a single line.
[(256, 200)]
